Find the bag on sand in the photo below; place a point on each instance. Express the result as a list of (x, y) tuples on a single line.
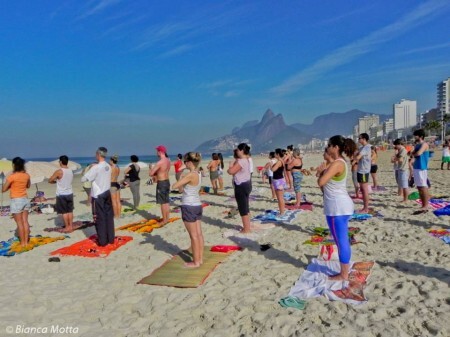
[(328, 253)]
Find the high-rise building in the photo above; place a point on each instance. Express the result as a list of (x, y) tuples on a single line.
[(443, 98), (405, 114), (388, 126), (366, 122)]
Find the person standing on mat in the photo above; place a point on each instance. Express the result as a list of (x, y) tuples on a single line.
[(63, 178), (421, 156), (102, 209), (295, 167), (337, 204), (132, 173), (191, 206), (364, 163), (161, 171)]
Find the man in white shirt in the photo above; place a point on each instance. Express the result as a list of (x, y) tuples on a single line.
[(64, 195), (364, 162), (100, 176)]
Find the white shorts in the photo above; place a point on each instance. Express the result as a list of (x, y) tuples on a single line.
[(420, 177)]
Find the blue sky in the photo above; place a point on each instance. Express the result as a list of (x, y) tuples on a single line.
[(130, 75)]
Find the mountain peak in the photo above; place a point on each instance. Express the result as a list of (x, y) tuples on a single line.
[(268, 115)]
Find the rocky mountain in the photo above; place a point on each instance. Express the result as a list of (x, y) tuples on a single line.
[(269, 133), (334, 123), (272, 132)]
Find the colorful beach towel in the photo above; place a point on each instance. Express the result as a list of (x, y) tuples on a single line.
[(442, 211), (173, 273), (273, 216), (306, 206), (322, 236), (314, 282), (146, 226), (5, 210), (443, 234), (90, 248), (435, 203), (12, 246), (76, 225)]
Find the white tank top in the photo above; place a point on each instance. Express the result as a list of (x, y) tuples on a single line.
[(64, 185), (336, 200), (191, 194)]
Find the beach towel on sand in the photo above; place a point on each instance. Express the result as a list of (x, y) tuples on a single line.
[(273, 216), (146, 226), (435, 203), (443, 234), (306, 206), (90, 248), (314, 282), (143, 207), (322, 236), (173, 273), (12, 246), (76, 225)]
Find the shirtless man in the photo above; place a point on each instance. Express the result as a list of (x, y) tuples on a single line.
[(161, 172)]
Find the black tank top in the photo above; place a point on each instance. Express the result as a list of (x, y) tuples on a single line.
[(278, 173), (133, 174)]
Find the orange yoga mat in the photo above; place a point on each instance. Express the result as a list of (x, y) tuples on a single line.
[(90, 248)]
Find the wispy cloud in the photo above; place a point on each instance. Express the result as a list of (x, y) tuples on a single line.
[(97, 7), (176, 51), (227, 88), (346, 54), (428, 48), (345, 16)]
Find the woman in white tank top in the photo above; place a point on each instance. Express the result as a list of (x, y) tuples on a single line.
[(191, 206), (338, 206)]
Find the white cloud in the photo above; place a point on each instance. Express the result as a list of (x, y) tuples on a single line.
[(346, 54), (100, 6)]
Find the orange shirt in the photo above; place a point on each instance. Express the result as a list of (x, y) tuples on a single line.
[(18, 184)]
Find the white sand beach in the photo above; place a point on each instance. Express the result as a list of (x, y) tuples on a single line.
[(408, 290)]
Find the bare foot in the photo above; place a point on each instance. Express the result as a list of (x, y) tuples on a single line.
[(67, 230), (404, 201), (244, 232), (338, 277), (363, 210), (191, 265)]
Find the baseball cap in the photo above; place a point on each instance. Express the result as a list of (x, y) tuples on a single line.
[(161, 148)]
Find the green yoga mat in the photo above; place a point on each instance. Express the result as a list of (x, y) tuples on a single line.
[(173, 273)]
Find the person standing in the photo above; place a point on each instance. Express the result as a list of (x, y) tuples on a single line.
[(17, 183), (102, 209), (161, 173), (295, 167), (220, 171), (374, 167), (364, 162), (240, 170), (445, 155), (63, 178), (421, 156), (337, 204), (191, 206), (132, 175), (278, 180), (115, 186), (179, 167), (402, 168), (213, 172)]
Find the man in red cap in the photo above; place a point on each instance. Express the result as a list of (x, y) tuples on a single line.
[(161, 172)]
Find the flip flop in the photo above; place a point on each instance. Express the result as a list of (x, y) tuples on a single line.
[(292, 302)]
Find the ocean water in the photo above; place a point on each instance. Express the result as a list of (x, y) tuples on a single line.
[(84, 161)]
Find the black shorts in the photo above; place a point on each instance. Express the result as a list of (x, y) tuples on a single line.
[(191, 213), (362, 178), (162, 192), (64, 204), (374, 169), (242, 195)]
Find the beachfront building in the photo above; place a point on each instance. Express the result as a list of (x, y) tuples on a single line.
[(388, 126), (376, 132), (405, 114), (366, 122), (443, 98)]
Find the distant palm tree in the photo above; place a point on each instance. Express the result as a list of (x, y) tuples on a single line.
[(433, 125)]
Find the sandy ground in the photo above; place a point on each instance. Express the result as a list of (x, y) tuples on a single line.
[(408, 292)]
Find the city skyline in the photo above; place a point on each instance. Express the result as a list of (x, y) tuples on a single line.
[(130, 76)]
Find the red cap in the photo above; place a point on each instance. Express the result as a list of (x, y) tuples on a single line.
[(161, 148)]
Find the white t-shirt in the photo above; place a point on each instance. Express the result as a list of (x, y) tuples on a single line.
[(250, 160), (365, 162), (100, 176)]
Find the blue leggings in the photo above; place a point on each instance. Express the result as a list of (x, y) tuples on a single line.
[(338, 226)]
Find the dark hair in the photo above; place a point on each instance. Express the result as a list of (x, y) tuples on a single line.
[(398, 141), (215, 156), (420, 133), (193, 157), (221, 160), (134, 158), (364, 136), (284, 151), (102, 151), (290, 147), (64, 160), (374, 148), (345, 145), (180, 156), (272, 154), (244, 147), (235, 155), (280, 152), (18, 164)]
